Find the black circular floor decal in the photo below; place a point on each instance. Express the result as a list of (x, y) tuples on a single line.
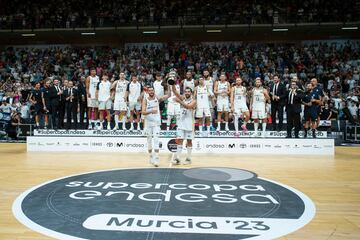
[(163, 204)]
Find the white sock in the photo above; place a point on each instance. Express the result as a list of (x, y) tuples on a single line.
[(189, 150), (208, 129), (123, 120), (263, 127), (132, 124), (200, 128), (116, 117), (256, 127), (218, 124), (226, 125), (178, 151), (236, 123)]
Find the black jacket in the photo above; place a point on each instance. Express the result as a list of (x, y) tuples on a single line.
[(281, 92), (295, 107), (54, 97), (82, 91), (75, 95)]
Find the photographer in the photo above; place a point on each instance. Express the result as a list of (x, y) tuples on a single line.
[(12, 128)]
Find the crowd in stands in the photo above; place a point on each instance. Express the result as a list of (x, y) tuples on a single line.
[(68, 14), (336, 66)]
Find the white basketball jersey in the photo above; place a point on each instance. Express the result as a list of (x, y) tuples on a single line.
[(152, 119), (202, 99), (159, 89), (94, 81), (222, 87), (189, 84), (186, 121), (209, 83), (240, 95), (104, 90), (258, 98), (120, 90), (134, 91)]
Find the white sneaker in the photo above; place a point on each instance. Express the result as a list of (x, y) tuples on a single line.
[(100, 127), (187, 161), (131, 128), (90, 126), (116, 127), (155, 161), (227, 129), (218, 129), (175, 161)]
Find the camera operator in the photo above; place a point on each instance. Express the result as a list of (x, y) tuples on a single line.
[(12, 128)]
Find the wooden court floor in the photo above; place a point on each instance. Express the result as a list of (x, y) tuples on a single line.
[(332, 183)]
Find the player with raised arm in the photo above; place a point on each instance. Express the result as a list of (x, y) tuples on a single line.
[(185, 130), (238, 105), (173, 108), (258, 104), (152, 121)]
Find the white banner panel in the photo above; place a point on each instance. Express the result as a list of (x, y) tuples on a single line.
[(171, 134), (200, 145)]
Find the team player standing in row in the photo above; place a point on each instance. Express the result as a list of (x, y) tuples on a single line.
[(127, 98)]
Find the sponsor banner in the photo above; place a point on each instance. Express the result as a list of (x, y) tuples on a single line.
[(200, 145), (169, 134)]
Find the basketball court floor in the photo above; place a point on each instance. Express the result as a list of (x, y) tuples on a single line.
[(332, 183)]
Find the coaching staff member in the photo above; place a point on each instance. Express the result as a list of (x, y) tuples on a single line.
[(278, 100), (293, 109)]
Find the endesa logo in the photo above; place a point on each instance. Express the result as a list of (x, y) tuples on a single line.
[(163, 204)]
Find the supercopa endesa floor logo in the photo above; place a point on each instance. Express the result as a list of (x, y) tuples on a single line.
[(164, 203)]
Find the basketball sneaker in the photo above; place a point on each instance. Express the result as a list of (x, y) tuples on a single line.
[(155, 161), (116, 126), (175, 161), (187, 161), (245, 130)]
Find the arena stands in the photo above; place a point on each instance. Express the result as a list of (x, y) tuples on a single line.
[(96, 13), (336, 66)]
